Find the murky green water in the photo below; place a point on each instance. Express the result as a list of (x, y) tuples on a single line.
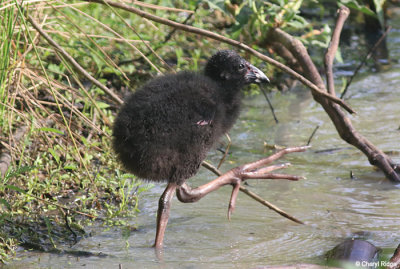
[(333, 205)]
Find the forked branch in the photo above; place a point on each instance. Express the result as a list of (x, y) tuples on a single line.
[(341, 121), (234, 177)]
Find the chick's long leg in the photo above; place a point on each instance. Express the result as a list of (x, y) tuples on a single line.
[(254, 170), (164, 206), (235, 176)]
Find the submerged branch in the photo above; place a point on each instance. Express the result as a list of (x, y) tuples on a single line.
[(254, 196)]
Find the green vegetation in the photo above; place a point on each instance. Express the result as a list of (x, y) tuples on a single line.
[(63, 174), (56, 125)]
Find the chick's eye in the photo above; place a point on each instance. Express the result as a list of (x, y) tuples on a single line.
[(241, 66)]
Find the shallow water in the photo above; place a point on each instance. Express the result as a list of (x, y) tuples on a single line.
[(333, 205)]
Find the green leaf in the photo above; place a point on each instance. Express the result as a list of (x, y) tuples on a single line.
[(52, 130), (344, 84), (70, 167), (295, 5), (216, 4), (379, 11), (318, 43), (102, 105), (296, 24), (55, 155), (84, 141), (4, 202), (15, 188), (54, 68), (18, 171), (338, 56), (355, 5)]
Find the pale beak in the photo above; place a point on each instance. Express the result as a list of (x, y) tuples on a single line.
[(255, 75)]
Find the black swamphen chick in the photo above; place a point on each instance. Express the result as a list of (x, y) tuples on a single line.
[(165, 129)]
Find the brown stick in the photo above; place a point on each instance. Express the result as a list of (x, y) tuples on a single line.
[(270, 205), (312, 135), (232, 42), (226, 150), (343, 13), (254, 196)]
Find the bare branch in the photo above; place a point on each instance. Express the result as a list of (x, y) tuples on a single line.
[(255, 196), (312, 135), (341, 121), (343, 13)]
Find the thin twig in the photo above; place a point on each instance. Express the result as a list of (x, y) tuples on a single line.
[(269, 104), (68, 226), (226, 151), (166, 39), (364, 60), (152, 6), (270, 206), (253, 195), (172, 32), (61, 206), (145, 43), (232, 42), (312, 135), (69, 35)]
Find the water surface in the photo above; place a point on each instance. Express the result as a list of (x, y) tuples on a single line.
[(333, 205)]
